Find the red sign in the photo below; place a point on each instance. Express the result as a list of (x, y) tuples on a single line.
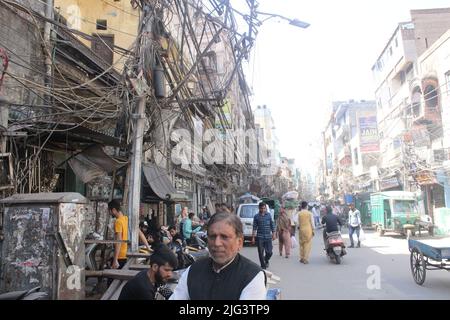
[(346, 161)]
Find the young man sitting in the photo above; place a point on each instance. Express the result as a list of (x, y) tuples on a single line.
[(145, 284)]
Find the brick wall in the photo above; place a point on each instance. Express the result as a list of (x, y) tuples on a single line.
[(429, 25)]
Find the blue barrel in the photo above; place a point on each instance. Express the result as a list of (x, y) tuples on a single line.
[(349, 198)]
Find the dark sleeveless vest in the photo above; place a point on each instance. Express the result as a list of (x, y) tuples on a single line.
[(205, 284)]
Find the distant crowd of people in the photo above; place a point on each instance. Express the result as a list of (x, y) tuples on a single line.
[(306, 220)]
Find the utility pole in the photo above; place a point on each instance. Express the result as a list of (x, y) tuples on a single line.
[(3, 122), (48, 48), (252, 16), (405, 152), (134, 198), (325, 162)]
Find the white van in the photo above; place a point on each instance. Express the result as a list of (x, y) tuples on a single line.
[(246, 212)]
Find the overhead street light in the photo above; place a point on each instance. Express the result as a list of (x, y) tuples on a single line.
[(298, 23), (253, 22), (294, 22)]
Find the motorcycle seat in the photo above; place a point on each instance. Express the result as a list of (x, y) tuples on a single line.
[(333, 234)]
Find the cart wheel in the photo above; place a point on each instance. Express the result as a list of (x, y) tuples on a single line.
[(418, 266)]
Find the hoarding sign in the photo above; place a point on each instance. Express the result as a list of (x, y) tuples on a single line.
[(368, 132), (426, 178)]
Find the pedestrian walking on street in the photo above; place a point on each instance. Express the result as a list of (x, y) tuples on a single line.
[(284, 233), (306, 232), (225, 274), (264, 228), (354, 224), (316, 215)]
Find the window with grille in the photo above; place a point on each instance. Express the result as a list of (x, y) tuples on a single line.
[(101, 24)]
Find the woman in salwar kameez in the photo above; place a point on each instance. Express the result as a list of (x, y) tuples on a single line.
[(284, 233)]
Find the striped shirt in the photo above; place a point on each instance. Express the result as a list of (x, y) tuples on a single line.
[(263, 225)]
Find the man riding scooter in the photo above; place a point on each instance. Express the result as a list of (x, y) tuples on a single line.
[(331, 222)]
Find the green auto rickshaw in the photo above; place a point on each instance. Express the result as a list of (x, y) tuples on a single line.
[(395, 211)]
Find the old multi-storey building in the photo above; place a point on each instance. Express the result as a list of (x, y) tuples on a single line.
[(409, 106), (110, 27), (431, 110), (196, 83), (351, 148)]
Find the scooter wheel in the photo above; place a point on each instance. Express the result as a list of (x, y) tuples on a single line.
[(337, 258)]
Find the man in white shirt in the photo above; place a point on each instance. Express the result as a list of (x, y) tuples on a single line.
[(316, 215), (225, 275), (354, 224)]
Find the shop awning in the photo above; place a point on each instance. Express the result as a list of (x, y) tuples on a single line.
[(160, 184), (92, 163), (70, 133)]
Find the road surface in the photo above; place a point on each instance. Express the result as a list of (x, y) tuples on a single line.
[(380, 269)]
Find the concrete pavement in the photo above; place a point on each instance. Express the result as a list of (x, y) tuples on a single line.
[(380, 269)]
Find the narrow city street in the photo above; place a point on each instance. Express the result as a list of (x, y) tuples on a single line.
[(136, 136), (322, 279)]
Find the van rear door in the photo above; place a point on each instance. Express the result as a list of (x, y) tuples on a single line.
[(246, 213)]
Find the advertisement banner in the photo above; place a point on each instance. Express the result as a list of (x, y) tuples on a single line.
[(226, 110), (389, 183), (368, 131), (223, 123), (426, 178)]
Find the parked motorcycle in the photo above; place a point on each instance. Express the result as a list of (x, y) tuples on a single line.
[(32, 294), (335, 247)]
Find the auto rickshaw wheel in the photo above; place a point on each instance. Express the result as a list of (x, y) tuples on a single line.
[(380, 231), (418, 266), (408, 233)]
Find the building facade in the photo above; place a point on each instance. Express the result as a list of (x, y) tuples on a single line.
[(351, 148), (409, 107)]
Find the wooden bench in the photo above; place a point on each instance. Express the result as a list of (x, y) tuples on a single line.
[(139, 267), (91, 241), (120, 274), (138, 255)]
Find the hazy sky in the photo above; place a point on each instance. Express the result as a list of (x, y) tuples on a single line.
[(298, 72)]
